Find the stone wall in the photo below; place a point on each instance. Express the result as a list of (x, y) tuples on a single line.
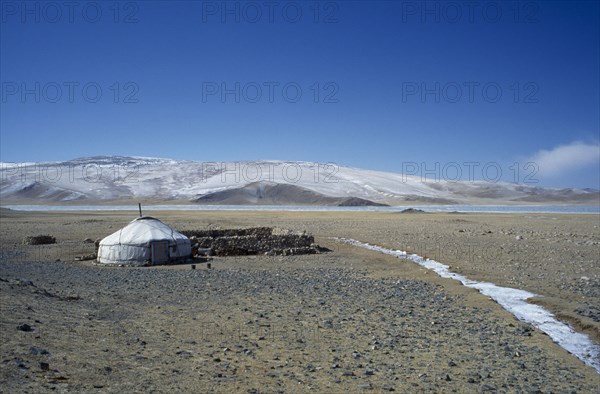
[(252, 241)]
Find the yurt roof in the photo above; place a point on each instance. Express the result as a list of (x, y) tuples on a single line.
[(141, 231)]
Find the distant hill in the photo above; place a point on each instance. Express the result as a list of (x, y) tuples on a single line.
[(121, 178), (262, 193)]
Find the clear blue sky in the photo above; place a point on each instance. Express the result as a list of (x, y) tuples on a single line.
[(385, 77)]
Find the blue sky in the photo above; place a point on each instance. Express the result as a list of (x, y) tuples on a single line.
[(377, 85)]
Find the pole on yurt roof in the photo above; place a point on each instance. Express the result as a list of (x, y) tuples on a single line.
[(140, 207)]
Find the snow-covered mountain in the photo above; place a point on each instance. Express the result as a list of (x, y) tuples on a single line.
[(117, 178)]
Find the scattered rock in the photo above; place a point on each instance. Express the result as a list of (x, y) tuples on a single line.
[(591, 312), (21, 364), (91, 256), (25, 327), (39, 240), (412, 210), (202, 251), (38, 351), (524, 330)]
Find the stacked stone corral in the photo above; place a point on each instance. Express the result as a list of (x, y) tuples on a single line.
[(232, 232), (252, 241)]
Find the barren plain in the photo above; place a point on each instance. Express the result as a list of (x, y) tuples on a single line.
[(350, 320)]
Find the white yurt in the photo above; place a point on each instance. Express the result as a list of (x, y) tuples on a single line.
[(144, 241)]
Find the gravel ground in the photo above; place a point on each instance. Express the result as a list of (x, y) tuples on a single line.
[(346, 321)]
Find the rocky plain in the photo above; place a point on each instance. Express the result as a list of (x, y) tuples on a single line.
[(349, 320)]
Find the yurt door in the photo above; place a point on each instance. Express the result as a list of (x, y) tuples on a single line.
[(160, 252)]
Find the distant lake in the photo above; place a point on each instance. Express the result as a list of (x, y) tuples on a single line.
[(588, 209)]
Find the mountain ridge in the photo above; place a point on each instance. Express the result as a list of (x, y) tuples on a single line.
[(99, 179)]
